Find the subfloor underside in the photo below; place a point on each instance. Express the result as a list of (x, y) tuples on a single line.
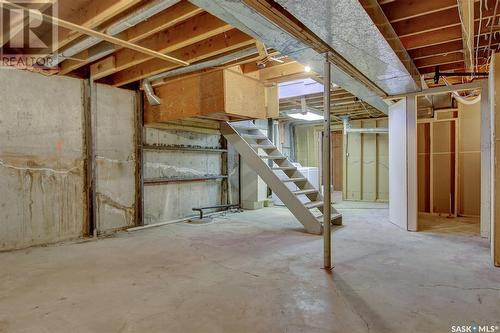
[(255, 271)]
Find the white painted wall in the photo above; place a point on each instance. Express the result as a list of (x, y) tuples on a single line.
[(398, 181)]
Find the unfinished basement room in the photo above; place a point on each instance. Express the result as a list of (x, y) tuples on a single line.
[(209, 166)]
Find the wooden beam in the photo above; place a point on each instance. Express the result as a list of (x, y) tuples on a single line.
[(228, 41), (97, 34), (405, 9), (442, 68), (439, 59), (281, 70), (432, 38), (428, 22), (174, 15), (89, 15), (466, 10), (161, 21), (199, 28), (438, 49)]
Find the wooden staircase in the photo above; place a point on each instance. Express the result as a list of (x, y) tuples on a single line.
[(256, 149)]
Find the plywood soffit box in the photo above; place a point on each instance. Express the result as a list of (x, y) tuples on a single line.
[(222, 95)]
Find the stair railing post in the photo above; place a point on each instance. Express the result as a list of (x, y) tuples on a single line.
[(327, 246)]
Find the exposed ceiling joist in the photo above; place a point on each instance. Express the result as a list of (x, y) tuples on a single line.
[(162, 21), (197, 29), (231, 40)]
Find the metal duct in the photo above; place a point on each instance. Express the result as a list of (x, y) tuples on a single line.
[(246, 19), (346, 27), (150, 93), (125, 23), (349, 129), (155, 100)]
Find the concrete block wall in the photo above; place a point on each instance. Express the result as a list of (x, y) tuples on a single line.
[(42, 196), (42, 159), (115, 158), (175, 200)]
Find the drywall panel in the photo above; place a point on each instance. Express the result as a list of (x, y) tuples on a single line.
[(369, 162), (41, 159), (469, 187), (398, 164), (494, 86), (115, 158)]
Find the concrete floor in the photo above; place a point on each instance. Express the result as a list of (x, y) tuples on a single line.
[(253, 272)]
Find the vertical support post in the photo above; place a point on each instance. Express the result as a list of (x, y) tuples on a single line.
[(225, 172), (90, 128), (93, 115), (270, 136), (327, 246), (139, 156), (89, 157)]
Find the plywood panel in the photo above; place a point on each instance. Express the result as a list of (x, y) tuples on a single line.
[(337, 160), (244, 96), (423, 160), (443, 167), (383, 162), (272, 102), (221, 94), (353, 172), (469, 187), (191, 96)]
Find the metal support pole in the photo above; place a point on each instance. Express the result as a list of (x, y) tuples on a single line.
[(326, 167)]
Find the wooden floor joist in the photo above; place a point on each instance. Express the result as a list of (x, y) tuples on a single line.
[(157, 23), (97, 34)]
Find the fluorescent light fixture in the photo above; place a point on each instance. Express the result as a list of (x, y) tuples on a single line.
[(309, 116), (307, 69)]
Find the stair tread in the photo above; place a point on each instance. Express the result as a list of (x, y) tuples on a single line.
[(269, 157), (253, 136), (255, 145), (307, 191), (284, 168), (293, 180), (314, 204), (244, 126)]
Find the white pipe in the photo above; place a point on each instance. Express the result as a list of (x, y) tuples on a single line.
[(368, 130), (349, 129), (465, 100)]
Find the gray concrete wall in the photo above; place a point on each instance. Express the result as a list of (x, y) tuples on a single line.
[(41, 159), (167, 202), (115, 158)]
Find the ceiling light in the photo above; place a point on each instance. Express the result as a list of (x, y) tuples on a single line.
[(308, 116), (307, 69)]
